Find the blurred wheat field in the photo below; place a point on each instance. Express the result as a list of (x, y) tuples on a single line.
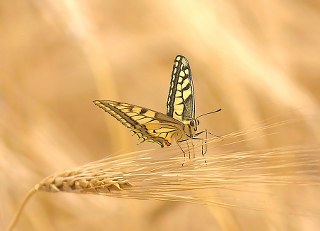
[(257, 60)]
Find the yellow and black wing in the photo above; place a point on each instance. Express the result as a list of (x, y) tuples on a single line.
[(147, 124), (181, 102)]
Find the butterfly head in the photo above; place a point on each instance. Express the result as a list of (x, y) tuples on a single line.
[(191, 127), (194, 124)]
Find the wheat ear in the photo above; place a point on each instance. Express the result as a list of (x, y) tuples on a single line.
[(77, 181), (97, 181)]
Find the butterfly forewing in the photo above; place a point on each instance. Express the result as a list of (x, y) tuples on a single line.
[(147, 124), (181, 103)]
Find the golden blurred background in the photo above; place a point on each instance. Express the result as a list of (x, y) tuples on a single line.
[(257, 60)]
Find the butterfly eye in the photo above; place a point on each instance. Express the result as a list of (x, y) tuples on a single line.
[(192, 123)]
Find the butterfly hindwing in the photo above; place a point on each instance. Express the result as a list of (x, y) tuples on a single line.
[(181, 102), (147, 124)]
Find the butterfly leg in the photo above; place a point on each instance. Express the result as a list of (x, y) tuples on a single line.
[(184, 153), (189, 154), (207, 132), (204, 144), (193, 152), (204, 141), (204, 147)]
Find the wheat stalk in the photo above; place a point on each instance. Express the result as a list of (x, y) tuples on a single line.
[(158, 173)]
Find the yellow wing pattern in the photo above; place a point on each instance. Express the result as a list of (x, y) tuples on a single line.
[(181, 103), (147, 124)]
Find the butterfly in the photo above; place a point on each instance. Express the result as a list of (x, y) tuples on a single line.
[(178, 124)]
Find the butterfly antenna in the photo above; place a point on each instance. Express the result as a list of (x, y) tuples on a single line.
[(208, 113)]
